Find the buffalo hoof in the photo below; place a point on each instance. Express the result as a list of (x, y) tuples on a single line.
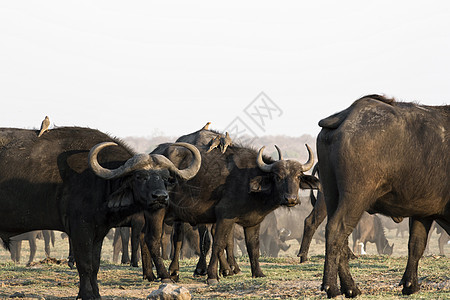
[(175, 276), (150, 277), (352, 293), (71, 265), (303, 258), (84, 296), (409, 288), (332, 292), (199, 272), (212, 281), (135, 265), (258, 274), (226, 273)]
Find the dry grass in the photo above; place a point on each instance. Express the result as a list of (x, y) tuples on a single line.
[(377, 276)]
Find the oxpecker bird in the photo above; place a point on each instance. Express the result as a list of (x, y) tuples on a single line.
[(44, 126), (214, 143), (206, 126), (225, 142)]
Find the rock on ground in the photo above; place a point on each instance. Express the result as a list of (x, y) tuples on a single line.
[(167, 291)]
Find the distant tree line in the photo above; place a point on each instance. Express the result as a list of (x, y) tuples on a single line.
[(292, 147)]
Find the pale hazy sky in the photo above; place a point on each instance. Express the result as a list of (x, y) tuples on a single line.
[(139, 68)]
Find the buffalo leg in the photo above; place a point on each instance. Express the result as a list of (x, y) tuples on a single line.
[(71, 257), (137, 225), (153, 233), (97, 250), (312, 222), (147, 265), (166, 243), (87, 255), (228, 264), (224, 228), (443, 239), (125, 237), (177, 241), (342, 220), (15, 249), (32, 242), (48, 237), (225, 267), (230, 255), (205, 244), (348, 286), (418, 234), (117, 245), (252, 243)]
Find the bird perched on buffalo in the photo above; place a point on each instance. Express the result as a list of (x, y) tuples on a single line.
[(206, 126), (214, 143), (225, 142), (44, 126)]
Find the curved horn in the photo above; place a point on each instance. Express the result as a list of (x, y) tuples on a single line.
[(261, 164), (310, 163), (280, 156), (187, 173), (137, 161)]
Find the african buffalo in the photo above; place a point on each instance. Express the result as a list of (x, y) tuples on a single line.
[(370, 229), (391, 224), (123, 234), (443, 239), (272, 237), (16, 244), (57, 182), (237, 186), (313, 220), (388, 157)]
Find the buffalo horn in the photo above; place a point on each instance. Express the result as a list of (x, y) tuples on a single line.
[(280, 156), (310, 163), (143, 161), (261, 164), (187, 173), (137, 161)]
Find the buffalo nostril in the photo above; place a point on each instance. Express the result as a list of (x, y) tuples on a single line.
[(160, 195), (291, 199)]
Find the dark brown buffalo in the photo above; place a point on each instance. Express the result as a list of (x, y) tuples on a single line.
[(388, 157), (313, 220), (443, 239), (31, 237), (400, 227), (130, 229), (370, 229), (272, 237), (70, 179), (238, 186)]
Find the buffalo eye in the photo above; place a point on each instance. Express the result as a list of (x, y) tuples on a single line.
[(170, 181), (143, 177), (278, 178)]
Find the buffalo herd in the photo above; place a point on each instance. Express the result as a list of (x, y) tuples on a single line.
[(378, 156)]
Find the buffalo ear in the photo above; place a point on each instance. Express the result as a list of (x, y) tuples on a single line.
[(121, 198), (260, 184), (309, 182)]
